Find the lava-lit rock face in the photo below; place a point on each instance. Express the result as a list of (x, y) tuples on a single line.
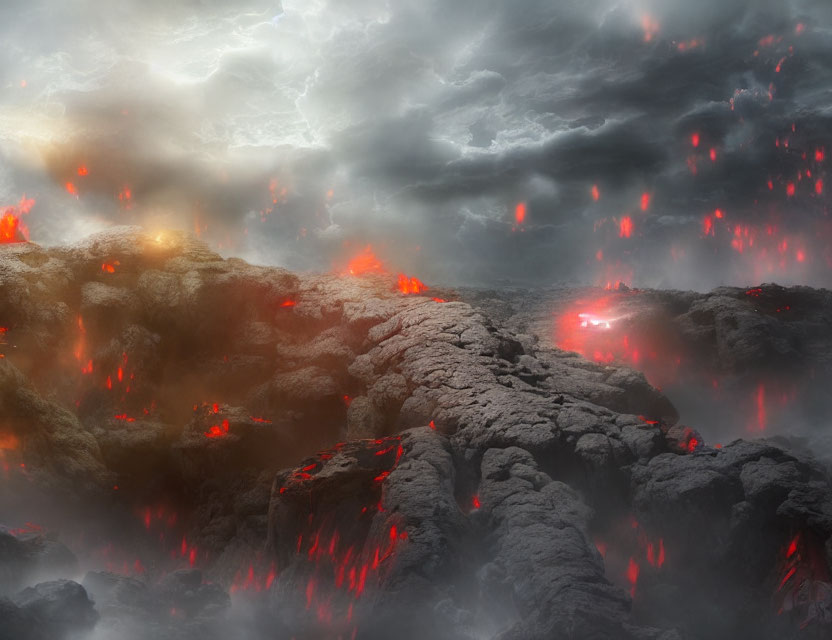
[(348, 459), (734, 361)]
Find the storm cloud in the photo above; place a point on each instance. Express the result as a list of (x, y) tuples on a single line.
[(298, 133)]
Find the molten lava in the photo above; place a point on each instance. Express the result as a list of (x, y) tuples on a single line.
[(410, 285), (12, 228), (365, 262)]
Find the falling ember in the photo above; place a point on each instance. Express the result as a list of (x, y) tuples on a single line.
[(792, 546), (71, 189), (800, 255), (475, 502), (365, 262), (708, 226), (650, 26), (632, 576), (520, 213), (718, 214), (694, 139), (83, 171), (712, 154), (625, 227), (819, 187), (410, 285), (125, 196), (645, 201), (819, 155), (760, 398), (790, 189), (596, 194)]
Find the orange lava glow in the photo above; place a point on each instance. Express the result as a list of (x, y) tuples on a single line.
[(12, 228), (215, 431), (365, 262), (8, 442), (410, 285)]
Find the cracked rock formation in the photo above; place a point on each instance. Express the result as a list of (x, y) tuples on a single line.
[(348, 461)]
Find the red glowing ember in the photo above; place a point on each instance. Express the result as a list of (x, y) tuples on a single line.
[(694, 139), (109, 267), (625, 229), (83, 171), (645, 201), (12, 228), (410, 285), (596, 194)]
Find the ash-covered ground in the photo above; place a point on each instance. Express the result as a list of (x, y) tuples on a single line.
[(195, 447)]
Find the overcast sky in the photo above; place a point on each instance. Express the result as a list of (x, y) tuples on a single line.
[(418, 126)]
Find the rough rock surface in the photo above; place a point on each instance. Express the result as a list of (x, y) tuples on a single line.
[(460, 477), (48, 611)]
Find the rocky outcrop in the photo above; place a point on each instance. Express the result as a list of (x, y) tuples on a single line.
[(461, 477), (48, 611)]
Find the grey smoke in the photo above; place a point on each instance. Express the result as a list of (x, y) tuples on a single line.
[(417, 126)]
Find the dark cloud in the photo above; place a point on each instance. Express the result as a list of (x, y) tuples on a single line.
[(296, 133)]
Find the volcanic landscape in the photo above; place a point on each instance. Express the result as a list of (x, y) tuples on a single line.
[(197, 447)]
